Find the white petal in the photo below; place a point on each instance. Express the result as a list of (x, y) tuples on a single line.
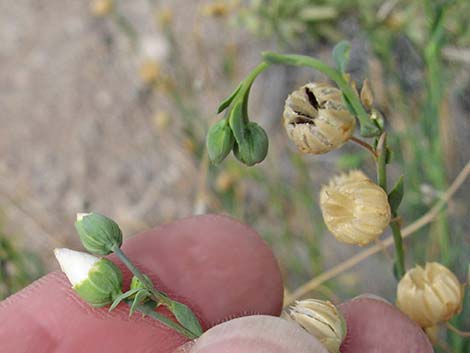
[(75, 264), (81, 215)]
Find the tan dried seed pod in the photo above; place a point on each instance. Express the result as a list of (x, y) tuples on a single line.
[(429, 295), (316, 119), (322, 320), (355, 209)]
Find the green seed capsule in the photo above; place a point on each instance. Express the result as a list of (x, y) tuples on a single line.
[(254, 148), (99, 234), (219, 141)]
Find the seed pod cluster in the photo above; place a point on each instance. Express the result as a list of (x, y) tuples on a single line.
[(316, 119), (429, 295), (355, 209)]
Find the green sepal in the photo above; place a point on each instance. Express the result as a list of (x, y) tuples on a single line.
[(98, 233), (254, 148), (185, 316), (378, 119), (341, 55), (136, 283), (227, 101), (103, 285), (237, 122), (219, 141), (122, 297), (396, 194)]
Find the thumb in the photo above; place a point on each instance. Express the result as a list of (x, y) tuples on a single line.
[(218, 266)]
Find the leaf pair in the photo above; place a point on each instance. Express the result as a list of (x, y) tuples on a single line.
[(136, 296)]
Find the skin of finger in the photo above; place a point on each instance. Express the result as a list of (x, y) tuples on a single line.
[(376, 326), (257, 334), (216, 265)]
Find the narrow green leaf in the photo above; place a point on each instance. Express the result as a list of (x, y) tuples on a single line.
[(139, 298), (349, 105), (341, 55), (186, 317), (396, 195), (227, 101), (123, 296)]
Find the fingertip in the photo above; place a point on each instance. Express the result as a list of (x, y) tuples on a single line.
[(375, 325)]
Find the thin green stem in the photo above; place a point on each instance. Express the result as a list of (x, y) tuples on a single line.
[(382, 162), (365, 145), (368, 128), (164, 320), (246, 86), (160, 297), (394, 225), (399, 250)]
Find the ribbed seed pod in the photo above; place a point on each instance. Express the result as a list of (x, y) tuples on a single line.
[(429, 295), (322, 320), (98, 233), (355, 209), (316, 119)]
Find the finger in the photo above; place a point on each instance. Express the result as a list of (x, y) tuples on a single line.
[(257, 334), (375, 325), (218, 266)]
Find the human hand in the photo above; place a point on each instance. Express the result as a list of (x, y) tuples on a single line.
[(222, 270)]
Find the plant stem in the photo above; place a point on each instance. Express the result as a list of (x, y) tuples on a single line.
[(160, 297), (399, 250), (364, 144), (246, 86), (382, 162), (457, 331), (164, 320), (399, 265)]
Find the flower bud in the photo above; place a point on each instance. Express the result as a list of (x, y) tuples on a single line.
[(97, 281), (367, 98), (322, 320), (99, 234), (431, 295), (316, 119), (254, 147), (355, 209), (219, 141)]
